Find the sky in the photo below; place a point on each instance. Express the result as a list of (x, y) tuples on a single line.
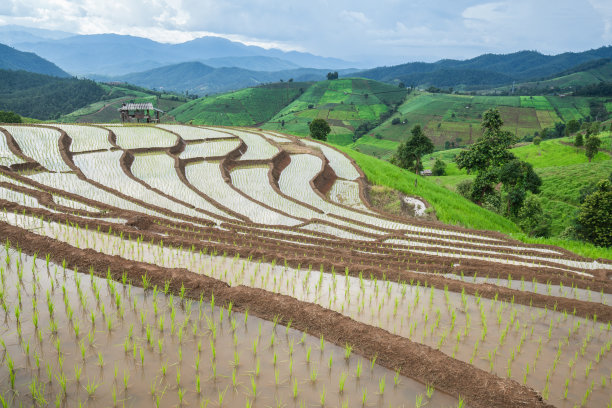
[(382, 32)]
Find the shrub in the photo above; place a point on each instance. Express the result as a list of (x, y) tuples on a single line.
[(439, 168), (464, 188)]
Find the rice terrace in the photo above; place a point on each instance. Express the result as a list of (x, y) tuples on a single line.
[(169, 265)]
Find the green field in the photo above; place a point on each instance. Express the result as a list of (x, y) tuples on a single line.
[(344, 103), (246, 107), (454, 120)]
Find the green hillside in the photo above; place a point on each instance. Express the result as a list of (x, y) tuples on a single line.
[(564, 170), (454, 120), (588, 74), (45, 97), (344, 103), (454, 209), (246, 107)]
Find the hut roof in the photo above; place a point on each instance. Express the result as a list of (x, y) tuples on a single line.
[(138, 106)]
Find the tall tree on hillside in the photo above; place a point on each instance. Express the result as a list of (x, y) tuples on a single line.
[(594, 223), (518, 177), (571, 127), (490, 152), (592, 146), (319, 129), (409, 153), (578, 140)]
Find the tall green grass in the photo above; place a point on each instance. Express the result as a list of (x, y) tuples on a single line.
[(453, 209), (450, 207)]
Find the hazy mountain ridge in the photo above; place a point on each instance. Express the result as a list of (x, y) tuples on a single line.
[(196, 77), (112, 54), (12, 59)]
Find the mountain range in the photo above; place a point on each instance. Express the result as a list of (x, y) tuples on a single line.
[(196, 77), (112, 54), (485, 70), (14, 60)]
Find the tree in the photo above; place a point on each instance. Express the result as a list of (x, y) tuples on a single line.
[(487, 155), (409, 153), (578, 140), (594, 223), (572, 126), (592, 146), (9, 117), (439, 168), (532, 219), (537, 140), (396, 121), (332, 75), (518, 177), (319, 129)]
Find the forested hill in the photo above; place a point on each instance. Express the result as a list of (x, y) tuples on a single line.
[(13, 59), (44, 96), (487, 69)]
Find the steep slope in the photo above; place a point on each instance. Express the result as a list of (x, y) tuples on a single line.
[(45, 97), (345, 103), (13, 59), (246, 107)]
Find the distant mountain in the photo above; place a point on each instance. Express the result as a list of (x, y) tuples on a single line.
[(487, 69), (257, 63), (202, 79), (111, 54), (13, 34), (15, 60)]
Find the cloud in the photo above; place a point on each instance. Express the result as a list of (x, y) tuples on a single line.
[(381, 32)]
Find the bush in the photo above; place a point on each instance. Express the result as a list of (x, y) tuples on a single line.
[(492, 202), (439, 168), (537, 140), (464, 188), (396, 121), (9, 117), (578, 141)]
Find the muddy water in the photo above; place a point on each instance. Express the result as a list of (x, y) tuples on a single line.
[(519, 341), (253, 360)]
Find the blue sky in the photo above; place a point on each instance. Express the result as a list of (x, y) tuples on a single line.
[(375, 32)]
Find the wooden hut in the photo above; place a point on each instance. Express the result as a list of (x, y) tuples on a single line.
[(139, 112)]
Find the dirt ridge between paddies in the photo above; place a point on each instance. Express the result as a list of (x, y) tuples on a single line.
[(414, 360)]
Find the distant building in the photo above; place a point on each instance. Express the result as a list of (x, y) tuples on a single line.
[(426, 172), (139, 112)]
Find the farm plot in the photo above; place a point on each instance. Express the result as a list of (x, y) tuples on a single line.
[(217, 148), (107, 347), (86, 138), (142, 137), (397, 298), (7, 157), (40, 144)]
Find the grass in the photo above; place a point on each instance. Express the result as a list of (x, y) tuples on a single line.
[(456, 210), (450, 208)]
